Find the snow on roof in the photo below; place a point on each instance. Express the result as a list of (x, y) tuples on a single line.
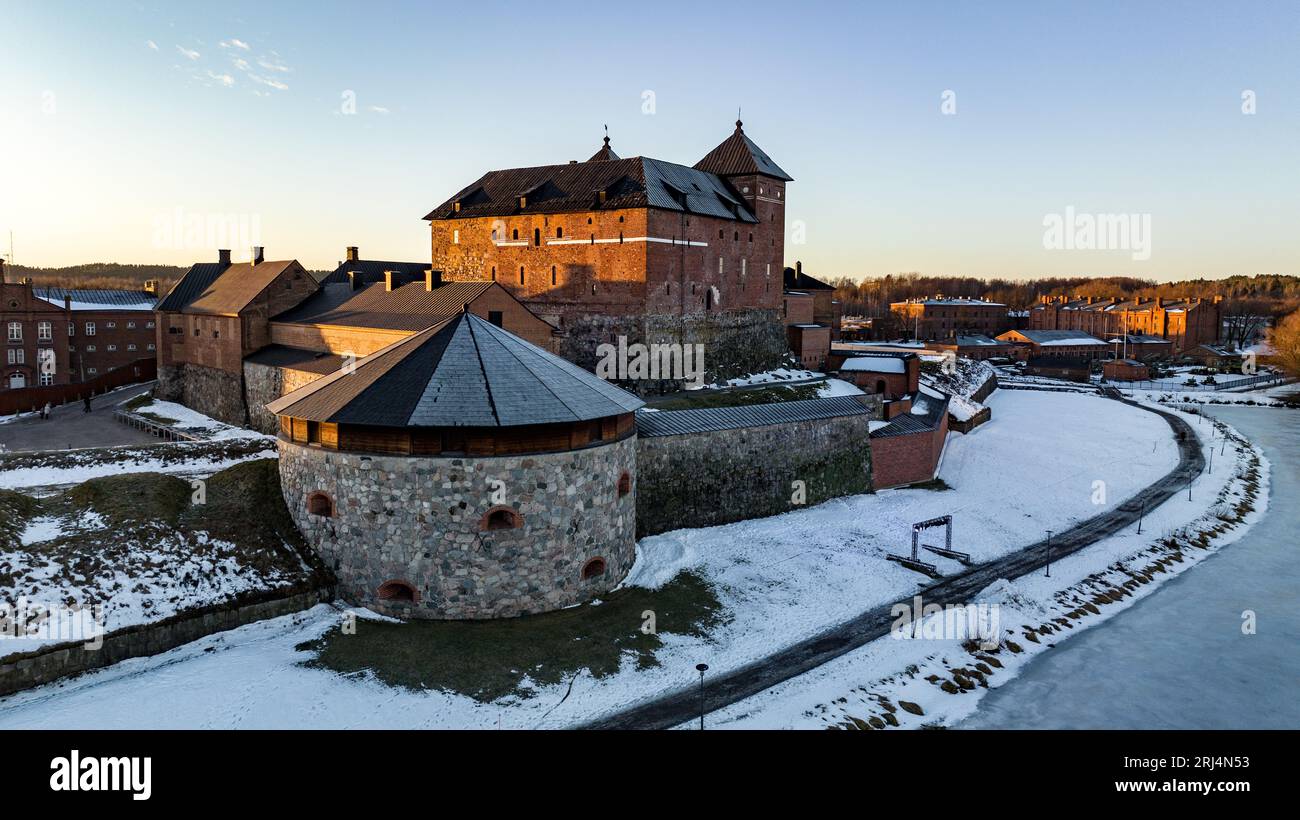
[(874, 364), (98, 299)]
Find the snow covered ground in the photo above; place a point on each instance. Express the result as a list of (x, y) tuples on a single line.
[(186, 420), (781, 579), (867, 686), (57, 468)]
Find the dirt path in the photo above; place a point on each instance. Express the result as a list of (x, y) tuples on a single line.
[(678, 707)]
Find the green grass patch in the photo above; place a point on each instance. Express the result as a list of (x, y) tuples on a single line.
[(487, 660), (737, 397)]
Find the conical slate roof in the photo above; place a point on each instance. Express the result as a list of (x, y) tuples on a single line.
[(738, 154), (605, 154), (462, 372)]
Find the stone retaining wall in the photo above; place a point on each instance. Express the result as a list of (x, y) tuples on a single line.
[(736, 343), (28, 669), (704, 479)]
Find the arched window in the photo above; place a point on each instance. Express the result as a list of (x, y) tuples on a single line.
[(397, 591), (515, 233), (880, 386), (319, 503), (494, 273), (559, 233), (501, 518), (537, 236), (593, 569), (521, 274), (552, 274), (624, 484)]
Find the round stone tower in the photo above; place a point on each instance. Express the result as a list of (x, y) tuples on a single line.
[(463, 473)]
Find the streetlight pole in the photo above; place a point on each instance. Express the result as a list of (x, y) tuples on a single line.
[(702, 668), (1049, 553)]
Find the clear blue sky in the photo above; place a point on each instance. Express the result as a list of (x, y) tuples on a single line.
[(118, 116)]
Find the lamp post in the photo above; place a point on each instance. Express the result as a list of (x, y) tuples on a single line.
[(1049, 553), (1142, 514), (702, 668)]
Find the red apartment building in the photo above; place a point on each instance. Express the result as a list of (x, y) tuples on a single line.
[(1185, 323)]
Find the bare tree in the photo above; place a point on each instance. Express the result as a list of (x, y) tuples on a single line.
[(1284, 338), (1244, 321)]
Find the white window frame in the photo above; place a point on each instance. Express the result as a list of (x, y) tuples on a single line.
[(45, 331), (90, 328), (15, 331)]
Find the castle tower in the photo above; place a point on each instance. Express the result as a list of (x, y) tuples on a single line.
[(756, 178)]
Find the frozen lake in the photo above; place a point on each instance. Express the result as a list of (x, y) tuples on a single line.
[(1178, 659)]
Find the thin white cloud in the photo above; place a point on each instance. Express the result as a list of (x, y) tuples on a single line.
[(240, 63), (223, 79), (235, 42), (190, 53), (272, 62), (378, 109), (151, 44)]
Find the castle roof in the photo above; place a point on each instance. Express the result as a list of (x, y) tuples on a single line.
[(796, 279), (462, 372), (638, 182), (220, 289), (407, 306), (738, 154)]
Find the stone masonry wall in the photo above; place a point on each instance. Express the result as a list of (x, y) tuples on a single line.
[(215, 393), (736, 343), (704, 479), (264, 384), (418, 520)]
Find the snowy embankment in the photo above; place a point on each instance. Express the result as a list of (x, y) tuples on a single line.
[(938, 678), (182, 418), (64, 467), (133, 549), (780, 580)]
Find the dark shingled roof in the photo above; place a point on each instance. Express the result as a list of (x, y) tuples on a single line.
[(710, 419), (605, 154), (639, 182), (462, 372), (738, 154), (297, 358), (372, 270), (196, 280), (798, 280), (210, 288), (406, 307)]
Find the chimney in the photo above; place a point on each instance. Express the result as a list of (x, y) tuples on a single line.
[(223, 257), (255, 255), (1160, 301), (388, 279), (67, 302), (151, 286), (352, 253), (432, 279), (798, 267), (2, 270), (354, 279)]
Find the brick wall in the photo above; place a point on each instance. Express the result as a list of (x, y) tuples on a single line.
[(120, 338), (19, 305), (900, 460)]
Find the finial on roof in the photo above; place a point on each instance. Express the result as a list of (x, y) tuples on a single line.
[(738, 122), (464, 308), (607, 135)]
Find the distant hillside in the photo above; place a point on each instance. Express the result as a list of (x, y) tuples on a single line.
[(109, 275)]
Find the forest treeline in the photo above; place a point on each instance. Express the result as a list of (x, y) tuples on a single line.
[(871, 297)]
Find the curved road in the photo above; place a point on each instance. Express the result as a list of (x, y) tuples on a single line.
[(678, 707)]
